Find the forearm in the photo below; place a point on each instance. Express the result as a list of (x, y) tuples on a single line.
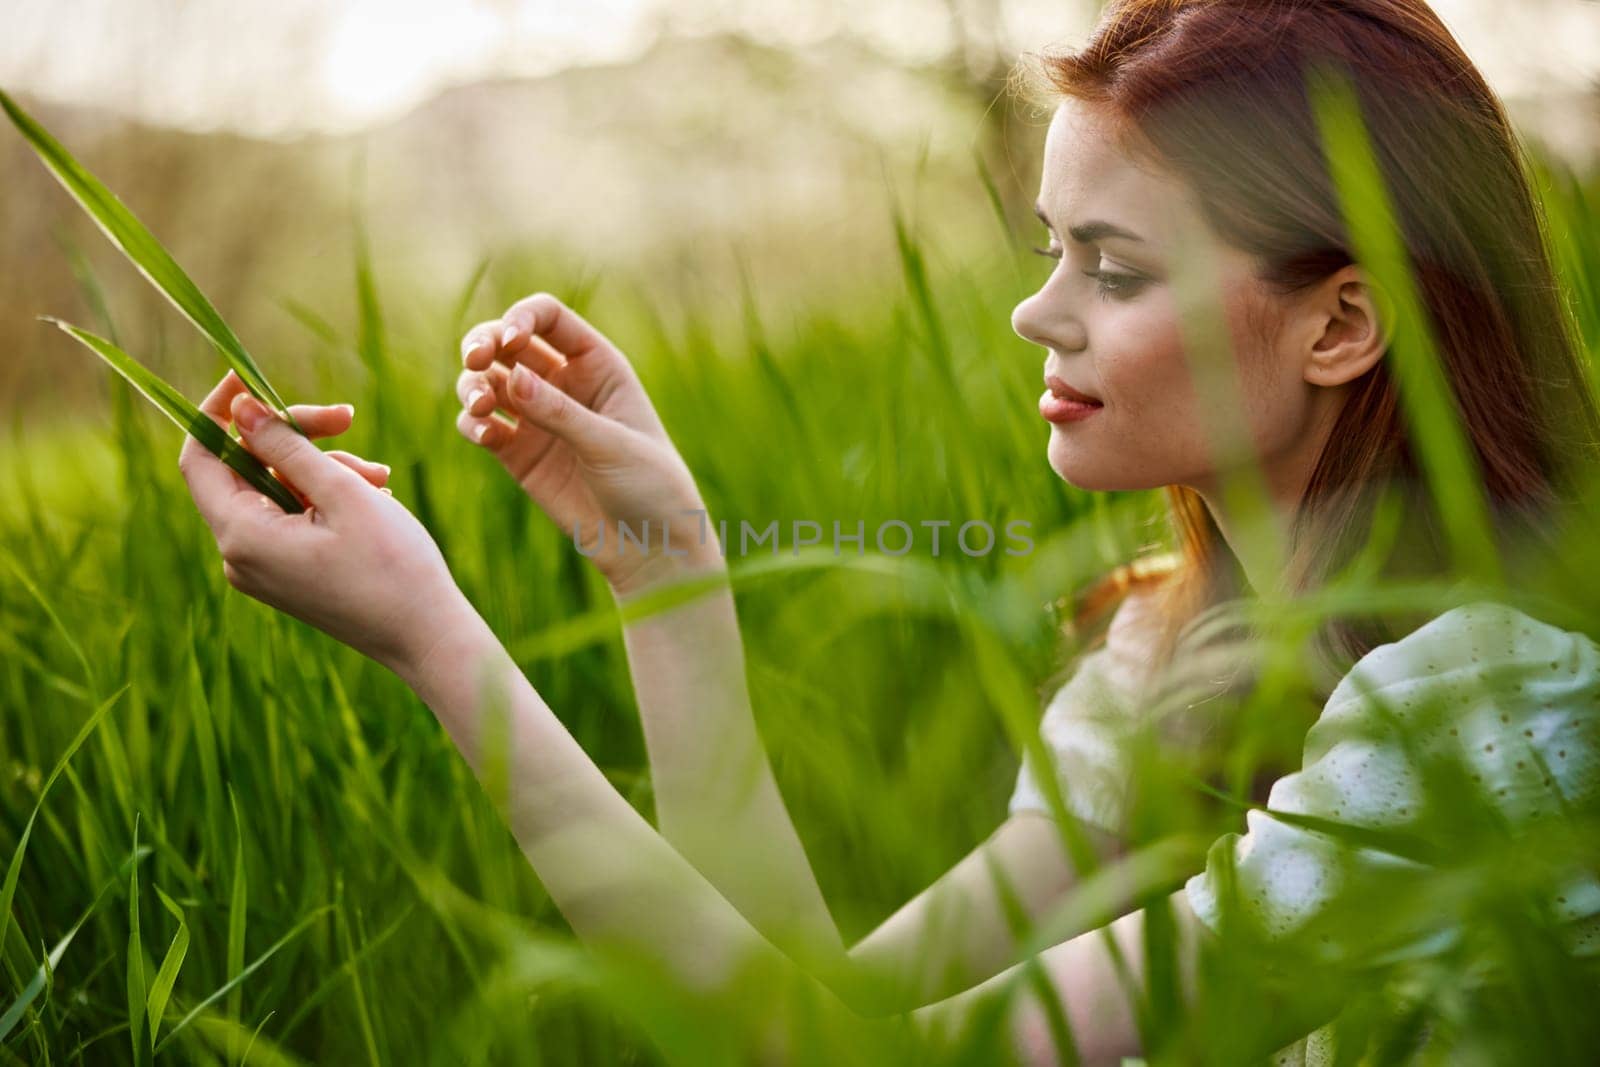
[(965, 927), (615, 879), (618, 882), (716, 798)]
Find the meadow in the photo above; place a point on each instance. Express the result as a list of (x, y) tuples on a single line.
[(228, 839)]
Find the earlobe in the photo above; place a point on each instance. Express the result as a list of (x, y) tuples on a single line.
[(1352, 328)]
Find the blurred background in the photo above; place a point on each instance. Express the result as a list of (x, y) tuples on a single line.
[(646, 143), (807, 222)]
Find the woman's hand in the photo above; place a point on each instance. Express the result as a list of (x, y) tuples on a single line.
[(356, 564), (586, 443)]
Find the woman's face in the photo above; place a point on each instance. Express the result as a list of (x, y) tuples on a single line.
[(1119, 337)]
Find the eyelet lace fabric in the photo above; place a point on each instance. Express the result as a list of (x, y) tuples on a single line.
[(1086, 724), (1502, 707), (1505, 707)]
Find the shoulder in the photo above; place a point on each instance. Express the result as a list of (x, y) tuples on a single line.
[(1136, 579), (1108, 674), (1482, 709), (1476, 671), (1113, 629), (1507, 700), (1088, 717), (1482, 638), (1136, 626)]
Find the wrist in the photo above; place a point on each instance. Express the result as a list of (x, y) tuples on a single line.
[(444, 634), (660, 572)]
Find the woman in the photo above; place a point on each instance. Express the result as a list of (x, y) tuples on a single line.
[(1191, 212)]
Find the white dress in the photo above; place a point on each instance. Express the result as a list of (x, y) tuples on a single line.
[(1505, 704), (1085, 724)]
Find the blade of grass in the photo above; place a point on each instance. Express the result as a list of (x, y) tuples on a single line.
[(1445, 453), (138, 989), (346, 969), (41, 977), (73, 644), (167, 973), (241, 976), (237, 901), (358, 990), (315, 324), (241, 1044), (463, 302), (9, 888), (371, 339), (145, 252), (189, 418)]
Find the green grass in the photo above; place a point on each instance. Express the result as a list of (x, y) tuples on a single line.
[(259, 847)]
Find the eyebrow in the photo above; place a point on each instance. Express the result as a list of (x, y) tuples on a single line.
[(1091, 231)]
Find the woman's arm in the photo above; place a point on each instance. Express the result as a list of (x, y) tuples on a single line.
[(358, 566), (588, 447), (1092, 984), (715, 796), (613, 877), (618, 881), (718, 802)]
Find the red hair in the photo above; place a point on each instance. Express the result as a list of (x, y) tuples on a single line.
[(1215, 92)]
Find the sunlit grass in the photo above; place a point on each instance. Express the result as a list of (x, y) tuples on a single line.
[(228, 781)]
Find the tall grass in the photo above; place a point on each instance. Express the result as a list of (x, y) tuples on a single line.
[(228, 839)]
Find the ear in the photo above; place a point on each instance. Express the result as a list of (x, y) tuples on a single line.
[(1346, 326)]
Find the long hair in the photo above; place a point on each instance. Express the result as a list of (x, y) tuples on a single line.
[(1215, 92)]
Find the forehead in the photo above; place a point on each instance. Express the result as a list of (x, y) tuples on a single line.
[(1086, 175)]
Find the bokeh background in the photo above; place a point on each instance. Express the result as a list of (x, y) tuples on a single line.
[(807, 222), (647, 142)]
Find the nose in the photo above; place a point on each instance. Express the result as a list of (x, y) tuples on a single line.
[(1048, 323)]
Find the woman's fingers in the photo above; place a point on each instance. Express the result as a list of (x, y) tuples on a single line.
[(540, 357), (542, 315), (480, 392), (376, 473), (592, 436), (487, 431), (481, 344), (502, 342), (274, 442), (210, 481), (323, 420), (532, 400), (538, 331), (216, 488)]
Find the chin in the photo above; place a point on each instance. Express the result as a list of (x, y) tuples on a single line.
[(1077, 466), (1069, 462)]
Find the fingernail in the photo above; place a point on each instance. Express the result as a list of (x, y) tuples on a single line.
[(350, 409), (475, 396), (522, 383), (470, 347), (248, 412), (480, 433), (509, 336), (384, 467)]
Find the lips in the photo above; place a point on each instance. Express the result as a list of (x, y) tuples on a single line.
[(1063, 391)]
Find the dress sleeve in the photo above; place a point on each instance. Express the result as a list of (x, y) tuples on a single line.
[(1085, 725), (1482, 720)]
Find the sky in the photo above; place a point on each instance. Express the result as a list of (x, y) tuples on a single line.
[(280, 68)]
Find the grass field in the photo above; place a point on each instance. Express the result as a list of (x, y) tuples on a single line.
[(276, 832)]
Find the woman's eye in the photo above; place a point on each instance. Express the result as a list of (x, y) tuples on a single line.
[(1116, 285), (1109, 284)]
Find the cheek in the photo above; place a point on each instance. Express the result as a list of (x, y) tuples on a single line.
[(1144, 371), (1149, 433)]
